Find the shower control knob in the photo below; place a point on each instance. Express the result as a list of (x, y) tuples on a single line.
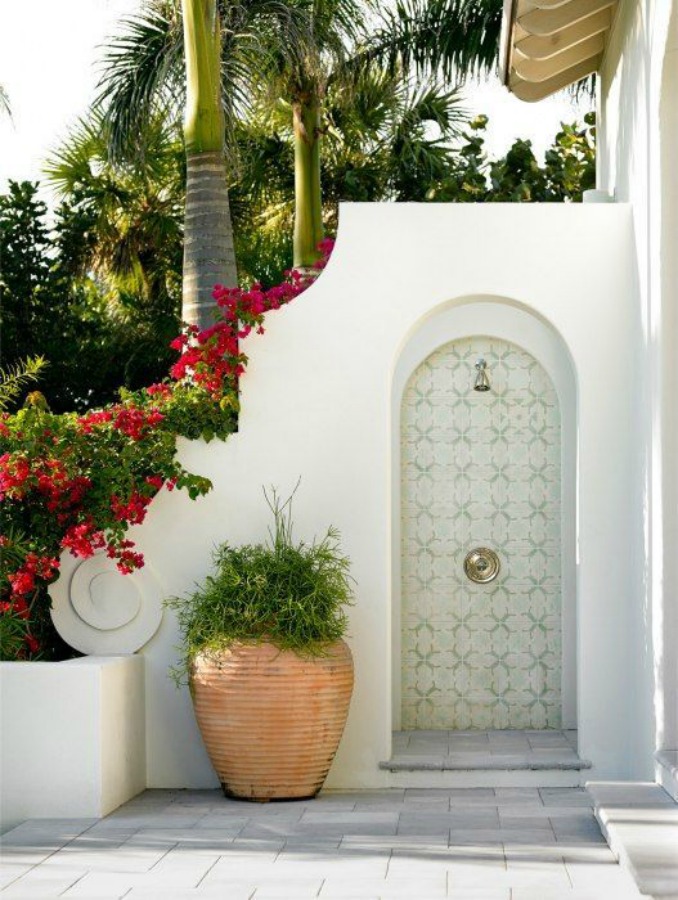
[(481, 565)]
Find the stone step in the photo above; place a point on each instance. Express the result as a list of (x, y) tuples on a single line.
[(502, 758), (485, 778), (477, 770), (535, 761), (640, 822), (668, 771)]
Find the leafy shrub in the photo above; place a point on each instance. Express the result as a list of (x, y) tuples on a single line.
[(292, 595)]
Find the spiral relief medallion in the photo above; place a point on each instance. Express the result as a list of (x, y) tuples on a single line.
[(97, 610)]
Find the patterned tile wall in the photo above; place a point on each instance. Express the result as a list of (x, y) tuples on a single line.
[(481, 469)]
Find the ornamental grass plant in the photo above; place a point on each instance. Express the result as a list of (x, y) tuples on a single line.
[(292, 595)]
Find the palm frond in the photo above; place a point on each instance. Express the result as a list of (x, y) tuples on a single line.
[(142, 73), (428, 104), (129, 213), (17, 377), (70, 165), (455, 38)]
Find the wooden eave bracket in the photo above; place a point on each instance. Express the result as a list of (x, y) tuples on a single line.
[(550, 44)]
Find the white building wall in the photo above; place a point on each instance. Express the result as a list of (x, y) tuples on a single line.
[(638, 148), (318, 403)]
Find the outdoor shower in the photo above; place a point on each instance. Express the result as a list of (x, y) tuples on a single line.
[(482, 380)]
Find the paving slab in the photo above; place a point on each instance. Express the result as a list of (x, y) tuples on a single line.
[(454, 843), (640, 822)]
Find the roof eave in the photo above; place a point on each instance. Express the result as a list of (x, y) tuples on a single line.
[(547, 45)]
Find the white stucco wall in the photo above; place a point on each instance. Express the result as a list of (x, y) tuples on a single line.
[(72, 737), (317, 402), (638, 148)]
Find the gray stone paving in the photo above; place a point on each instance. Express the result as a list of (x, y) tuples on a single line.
[(640, 820), (462, 844)]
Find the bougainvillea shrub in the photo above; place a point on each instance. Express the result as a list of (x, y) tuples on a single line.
[(76, 483)]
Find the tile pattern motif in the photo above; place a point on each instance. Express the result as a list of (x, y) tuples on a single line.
[(481, 469)]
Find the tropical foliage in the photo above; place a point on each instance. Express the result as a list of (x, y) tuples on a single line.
[(387, 140), (569, 169), (295, 52), (111, 262), (94, 291), (78, 482)]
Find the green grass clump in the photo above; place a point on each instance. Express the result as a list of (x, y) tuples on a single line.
[(292, 595)]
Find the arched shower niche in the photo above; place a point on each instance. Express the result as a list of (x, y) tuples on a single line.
[(491, 469)]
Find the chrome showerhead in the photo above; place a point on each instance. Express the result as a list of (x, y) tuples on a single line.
[(482, 379)]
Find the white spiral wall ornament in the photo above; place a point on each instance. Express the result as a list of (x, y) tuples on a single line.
[(99, 611)]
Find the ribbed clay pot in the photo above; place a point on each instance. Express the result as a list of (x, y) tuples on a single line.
[(272, 720)]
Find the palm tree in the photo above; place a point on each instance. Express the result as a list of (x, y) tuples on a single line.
[(131, 215), (343, 40), (170, 58), (120, 238), (209, 255), (298, 49), (389, 138), (346, 38)]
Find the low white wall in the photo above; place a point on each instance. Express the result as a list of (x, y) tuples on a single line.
[(72, 737), (317, 403)]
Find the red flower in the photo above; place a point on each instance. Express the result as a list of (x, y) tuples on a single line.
[(83, 540), (88, 422), (22, 583), (164, 391), (213, 360), (133, 511), (155, 481), (135, 423)]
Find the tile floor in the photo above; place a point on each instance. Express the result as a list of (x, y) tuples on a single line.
[(463, 844)]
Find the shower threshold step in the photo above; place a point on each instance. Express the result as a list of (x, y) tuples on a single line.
[(485, 759)]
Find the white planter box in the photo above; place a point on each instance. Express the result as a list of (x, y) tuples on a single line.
[(73, 737)]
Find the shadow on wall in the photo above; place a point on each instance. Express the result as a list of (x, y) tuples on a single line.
[(666, 653)]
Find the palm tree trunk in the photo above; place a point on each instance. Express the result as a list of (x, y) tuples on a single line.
[(308, 212), (209, 254)]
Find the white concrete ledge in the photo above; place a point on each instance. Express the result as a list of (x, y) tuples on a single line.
[(640, 823), (73, 737)]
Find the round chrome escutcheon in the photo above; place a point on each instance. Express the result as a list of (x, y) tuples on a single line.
[(482, 565)]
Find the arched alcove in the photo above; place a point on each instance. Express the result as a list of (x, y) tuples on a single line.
[(490, 469), (480, 469)]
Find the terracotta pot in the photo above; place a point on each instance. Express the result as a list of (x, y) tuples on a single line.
[(272, 720)]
